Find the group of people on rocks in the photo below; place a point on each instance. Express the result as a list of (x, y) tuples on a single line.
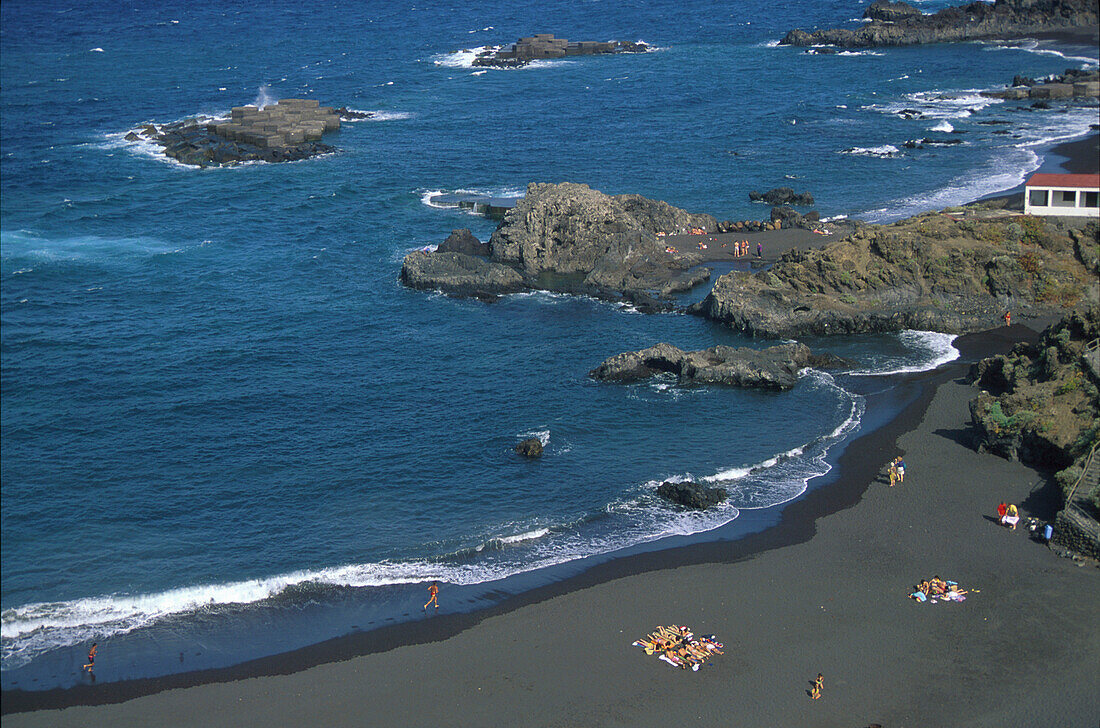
[(937, 588), (677, 646)]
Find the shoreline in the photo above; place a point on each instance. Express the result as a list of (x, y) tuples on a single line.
[(824, 591), (857, 468)]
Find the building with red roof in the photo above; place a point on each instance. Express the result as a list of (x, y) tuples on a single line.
[(1066, 195)]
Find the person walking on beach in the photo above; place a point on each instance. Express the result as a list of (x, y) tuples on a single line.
[(1002, 510), (433, 592), (91, 658), (759, 249), (1008, 318), (892, 471), (899, 468)]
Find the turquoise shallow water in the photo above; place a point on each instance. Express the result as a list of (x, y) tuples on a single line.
[(218, 405)]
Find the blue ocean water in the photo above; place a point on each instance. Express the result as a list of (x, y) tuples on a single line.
[(222, 416)]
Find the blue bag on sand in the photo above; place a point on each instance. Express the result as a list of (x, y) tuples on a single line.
[(1048, 531)]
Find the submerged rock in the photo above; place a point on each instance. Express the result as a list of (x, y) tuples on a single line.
[(691, 495), (783, 196), (530, 448)]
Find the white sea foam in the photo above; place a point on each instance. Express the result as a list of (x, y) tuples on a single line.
[(384, 115), (930, 349), (97, 50), (263, 97), (860, 53), (769, 44), (543, 436), (463, 58), (944, 126), (939, 104), (1007, 167), (1033, 46), (885, 150)]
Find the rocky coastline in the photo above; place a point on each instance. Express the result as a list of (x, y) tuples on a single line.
[(932, 272), (901, 24), (1040, 404), (287, 131), (1073, 84)]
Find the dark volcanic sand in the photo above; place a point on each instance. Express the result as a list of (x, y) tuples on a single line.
[(823, 592)]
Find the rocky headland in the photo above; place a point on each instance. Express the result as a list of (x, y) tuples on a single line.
[(1041, 404), (775, 367), (901, 24), (570, 238), (544, 46), (932, 272), (286, 131), (1073, 84)]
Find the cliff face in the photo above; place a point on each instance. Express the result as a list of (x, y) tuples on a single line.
[(1040, 403), (979, 20), (930, 272)]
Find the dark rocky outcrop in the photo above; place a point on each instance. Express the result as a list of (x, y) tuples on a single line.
[(776, 367), (463, 241), (691, 495), (530, 448), (893, 25), (543, 46), (930, 272), (459, 274), (287, 131), (1040, 403), (783, 196), (570, 238), (891, 12)]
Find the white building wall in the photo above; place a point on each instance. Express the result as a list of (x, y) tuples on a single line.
[(1055, 206)]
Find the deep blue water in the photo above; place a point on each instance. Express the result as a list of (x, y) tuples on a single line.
[(215, 393)]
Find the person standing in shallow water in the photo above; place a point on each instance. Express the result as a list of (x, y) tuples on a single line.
[(433, 591)]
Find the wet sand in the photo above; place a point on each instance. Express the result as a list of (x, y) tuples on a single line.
[(823, 592)]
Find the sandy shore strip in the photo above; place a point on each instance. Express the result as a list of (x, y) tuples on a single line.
[(823, 592)]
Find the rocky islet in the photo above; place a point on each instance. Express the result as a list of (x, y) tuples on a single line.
[(289, 130)]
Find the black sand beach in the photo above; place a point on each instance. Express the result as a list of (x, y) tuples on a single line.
[(823, 592)]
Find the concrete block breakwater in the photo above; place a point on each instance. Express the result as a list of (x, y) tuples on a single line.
[(286, 131), (284, 124)]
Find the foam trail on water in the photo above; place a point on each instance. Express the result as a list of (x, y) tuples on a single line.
[(930, 349)]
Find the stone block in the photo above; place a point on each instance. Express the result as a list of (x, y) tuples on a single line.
[(299, 103), (332, 123), (295, 136), (1060, 90), (1039, 92), (1014, 94), (239, 111), (1086, 88)]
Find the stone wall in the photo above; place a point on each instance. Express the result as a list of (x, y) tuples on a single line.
[(1077, 532)]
